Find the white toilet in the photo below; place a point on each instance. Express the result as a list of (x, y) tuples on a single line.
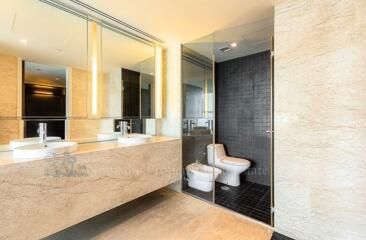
[(202, 177), (231, 167)]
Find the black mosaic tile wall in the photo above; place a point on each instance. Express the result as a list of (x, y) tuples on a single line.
[(243, 112)]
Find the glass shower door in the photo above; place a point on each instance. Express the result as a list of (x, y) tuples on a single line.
[(198, 114), (243, 82)]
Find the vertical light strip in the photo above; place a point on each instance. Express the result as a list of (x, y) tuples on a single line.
[(158, 81), (94, 59), (20, 97), (206, 94)]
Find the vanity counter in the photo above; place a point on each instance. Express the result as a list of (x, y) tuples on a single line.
[(6, 157), (42, 196)]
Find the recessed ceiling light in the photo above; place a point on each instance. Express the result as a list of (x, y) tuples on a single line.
[(234, 44), (24, 41)]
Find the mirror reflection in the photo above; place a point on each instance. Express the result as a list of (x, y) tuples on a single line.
[(44, 99), (78, 75), (198, 110)]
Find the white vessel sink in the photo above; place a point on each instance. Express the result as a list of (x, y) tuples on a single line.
[(40, 150), (134, 138), (108, 136), (28, 141)]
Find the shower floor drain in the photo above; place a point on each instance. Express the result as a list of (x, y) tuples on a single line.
[(225, 188)]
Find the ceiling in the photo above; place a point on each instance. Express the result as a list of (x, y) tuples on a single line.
[(249, 38), (184, 20), (53, 37), (58, 38), (246, 22), (44, 74)]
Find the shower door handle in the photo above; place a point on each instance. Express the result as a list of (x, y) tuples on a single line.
[(269, 131)]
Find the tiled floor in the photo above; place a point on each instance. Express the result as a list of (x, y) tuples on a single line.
[(250, 199), (165, 215), (277, 236)]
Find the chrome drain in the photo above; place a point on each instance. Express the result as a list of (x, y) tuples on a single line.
[(224, 188)]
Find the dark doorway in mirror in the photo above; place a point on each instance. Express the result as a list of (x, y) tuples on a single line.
[(44, 101), (44, 98), (54, 127), (130, 94)]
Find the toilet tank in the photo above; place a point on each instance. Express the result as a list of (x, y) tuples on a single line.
[(215, 150)]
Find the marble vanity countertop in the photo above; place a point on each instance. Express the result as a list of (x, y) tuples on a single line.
[(46, 195), (7, 158)]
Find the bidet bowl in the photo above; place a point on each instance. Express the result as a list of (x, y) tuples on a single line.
[(202, 177)]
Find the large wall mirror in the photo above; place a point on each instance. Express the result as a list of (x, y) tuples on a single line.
[(74, 72)]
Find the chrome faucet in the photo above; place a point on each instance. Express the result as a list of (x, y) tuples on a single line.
[(123, 127), (191, 123), (42, 131), (209, 124)]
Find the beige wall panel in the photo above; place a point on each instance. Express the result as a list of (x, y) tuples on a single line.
[(170, 124), (320, 119), (8, 85), (8, 130), (79, 86), (84, 128), (111, 102)]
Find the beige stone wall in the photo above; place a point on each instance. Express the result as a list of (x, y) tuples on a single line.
[(320, 119), (9, 71), (80, 123), (78, 93), (9, 130), (170, 124), (88, 129), (83, 128), (8, 85), (111, 88)]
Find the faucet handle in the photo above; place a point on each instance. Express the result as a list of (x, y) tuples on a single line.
[(42, 126), (42, 131)]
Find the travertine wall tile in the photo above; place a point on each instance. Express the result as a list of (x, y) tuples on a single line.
[(79, 93), (9, 130), (85, 128), (8, 85), (112, 94), (320, 119), (170, 124)]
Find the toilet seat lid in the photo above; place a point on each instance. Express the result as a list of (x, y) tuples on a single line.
[(235, 161)]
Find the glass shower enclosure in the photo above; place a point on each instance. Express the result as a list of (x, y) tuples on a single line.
[(198, 115), (227, 117)]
